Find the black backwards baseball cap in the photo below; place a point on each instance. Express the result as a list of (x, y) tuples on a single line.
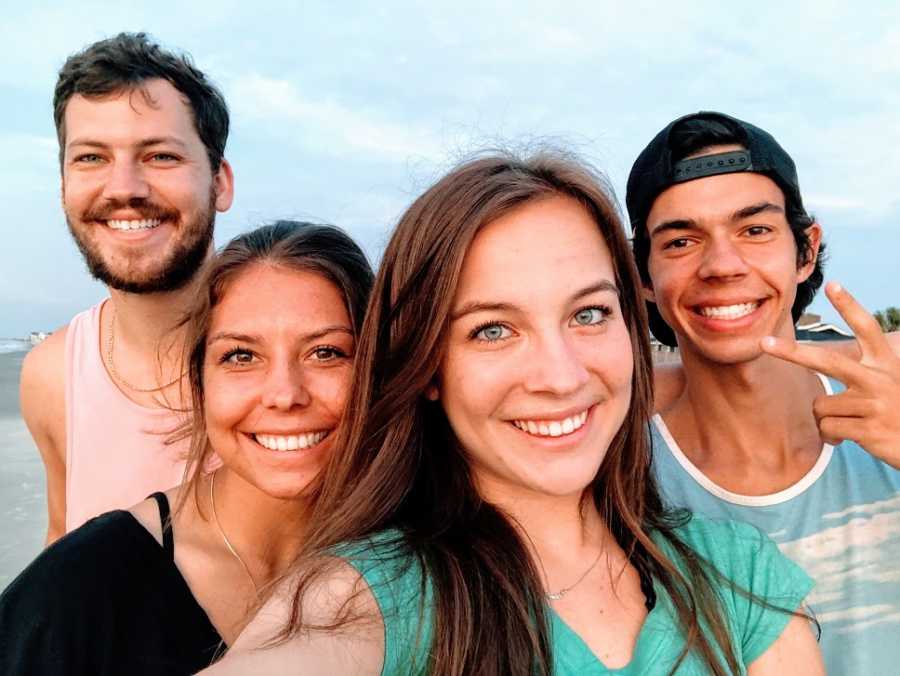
[(656, 169)]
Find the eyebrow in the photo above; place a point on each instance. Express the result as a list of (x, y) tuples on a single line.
[(255, 339), (479, 306), (739, 215), (144, 143)]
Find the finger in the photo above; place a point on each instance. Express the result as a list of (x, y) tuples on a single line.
[(872, 342), (836, 429), (844, 405), (825, 361)]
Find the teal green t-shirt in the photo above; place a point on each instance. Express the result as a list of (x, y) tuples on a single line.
[(740, 552)]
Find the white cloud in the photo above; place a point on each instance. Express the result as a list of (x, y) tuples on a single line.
[(326, 124)]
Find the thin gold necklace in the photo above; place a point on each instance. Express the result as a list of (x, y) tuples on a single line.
[(110, 345), (212, 500), (557, 595)]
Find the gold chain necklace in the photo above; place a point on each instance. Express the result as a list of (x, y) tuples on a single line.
[(110, 345), (212, 500), (557, 595)]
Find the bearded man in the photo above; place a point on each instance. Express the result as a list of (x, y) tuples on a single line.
[(142, 135)]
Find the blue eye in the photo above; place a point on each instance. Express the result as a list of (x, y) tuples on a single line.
[(491, 333), (591, 316)]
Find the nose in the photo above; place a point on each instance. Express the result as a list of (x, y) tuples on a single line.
[(722, 258), (125, 182), (284, 387), (554, 365)]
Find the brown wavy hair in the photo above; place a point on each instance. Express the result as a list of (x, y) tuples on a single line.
[(397, 464)]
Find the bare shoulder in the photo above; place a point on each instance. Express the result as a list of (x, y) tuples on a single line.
[(42, 382), (795, 651), (850, 348), (668, 384), (357, 647)]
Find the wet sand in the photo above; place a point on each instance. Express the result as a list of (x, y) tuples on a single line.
[(23, 510)]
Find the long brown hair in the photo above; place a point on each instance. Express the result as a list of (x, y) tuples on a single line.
[(398, 466), (295, 245)]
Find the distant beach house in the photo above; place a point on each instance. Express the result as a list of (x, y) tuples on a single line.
[(809, 328), (812, 328), (36, 337)]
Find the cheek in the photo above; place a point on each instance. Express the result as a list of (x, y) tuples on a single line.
[(227, 403), (331, 391)]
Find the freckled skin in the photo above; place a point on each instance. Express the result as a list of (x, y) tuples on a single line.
[(285, 380), (546, 364)]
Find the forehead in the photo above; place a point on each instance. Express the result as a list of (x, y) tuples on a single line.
[(713, 198), (541, 249), (153, 108), (265, 295)]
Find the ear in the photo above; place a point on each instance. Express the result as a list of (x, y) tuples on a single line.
[(432, 393), (814, 233), (648, 293), (223, 184)]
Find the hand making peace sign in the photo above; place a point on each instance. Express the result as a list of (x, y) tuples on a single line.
[(868, 411)]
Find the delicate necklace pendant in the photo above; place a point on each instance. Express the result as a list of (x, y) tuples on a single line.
[(555, 596)]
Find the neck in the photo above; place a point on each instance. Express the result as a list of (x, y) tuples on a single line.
[(550, 522), (265, 532), (754, 414), (144, 321), (142, 345)]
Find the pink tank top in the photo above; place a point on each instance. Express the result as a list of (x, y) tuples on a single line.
[(116, 453)]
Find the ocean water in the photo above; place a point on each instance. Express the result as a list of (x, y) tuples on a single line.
[(8, 345)]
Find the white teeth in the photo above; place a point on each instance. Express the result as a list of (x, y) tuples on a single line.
[(552, 428), (729, 311), (290, 442), (144, 224)]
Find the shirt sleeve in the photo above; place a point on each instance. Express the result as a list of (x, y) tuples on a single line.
[(404, 596), (778, 584)]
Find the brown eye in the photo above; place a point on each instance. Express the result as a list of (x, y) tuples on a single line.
[(237, 357)]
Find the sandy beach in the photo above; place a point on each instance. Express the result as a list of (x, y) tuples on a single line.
[(22, 491)]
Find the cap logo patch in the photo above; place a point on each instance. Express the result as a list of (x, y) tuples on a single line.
[(711, 165)]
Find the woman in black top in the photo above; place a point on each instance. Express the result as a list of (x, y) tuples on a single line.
[(269, 355)]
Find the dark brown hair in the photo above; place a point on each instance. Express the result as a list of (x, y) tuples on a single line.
[(700, 135), (125, 63), (398, 466), (323, 249)]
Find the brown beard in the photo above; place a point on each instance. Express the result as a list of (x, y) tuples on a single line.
[(174, 272)]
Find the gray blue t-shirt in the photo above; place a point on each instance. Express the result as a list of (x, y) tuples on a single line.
[(740, 552), (841, 523)]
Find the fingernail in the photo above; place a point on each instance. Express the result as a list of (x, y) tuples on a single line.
[(836, 287)]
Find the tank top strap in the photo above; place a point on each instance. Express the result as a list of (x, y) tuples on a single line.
[(165, 520)]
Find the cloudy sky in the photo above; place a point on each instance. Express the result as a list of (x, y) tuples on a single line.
[(344, 112)]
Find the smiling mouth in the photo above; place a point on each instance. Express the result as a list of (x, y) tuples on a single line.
[(552, 428), (138, 224), (290, 442), (727, 312)]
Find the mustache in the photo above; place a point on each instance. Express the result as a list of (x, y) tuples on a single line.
[(144, 209)]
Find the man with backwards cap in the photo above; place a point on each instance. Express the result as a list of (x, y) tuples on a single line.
[(800, 441)]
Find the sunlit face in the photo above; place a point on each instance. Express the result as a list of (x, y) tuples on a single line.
[(536, 377), (723, 264), (276, 376), (139, 195)]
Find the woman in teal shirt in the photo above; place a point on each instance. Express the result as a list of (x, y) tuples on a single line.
[(489, 507)]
